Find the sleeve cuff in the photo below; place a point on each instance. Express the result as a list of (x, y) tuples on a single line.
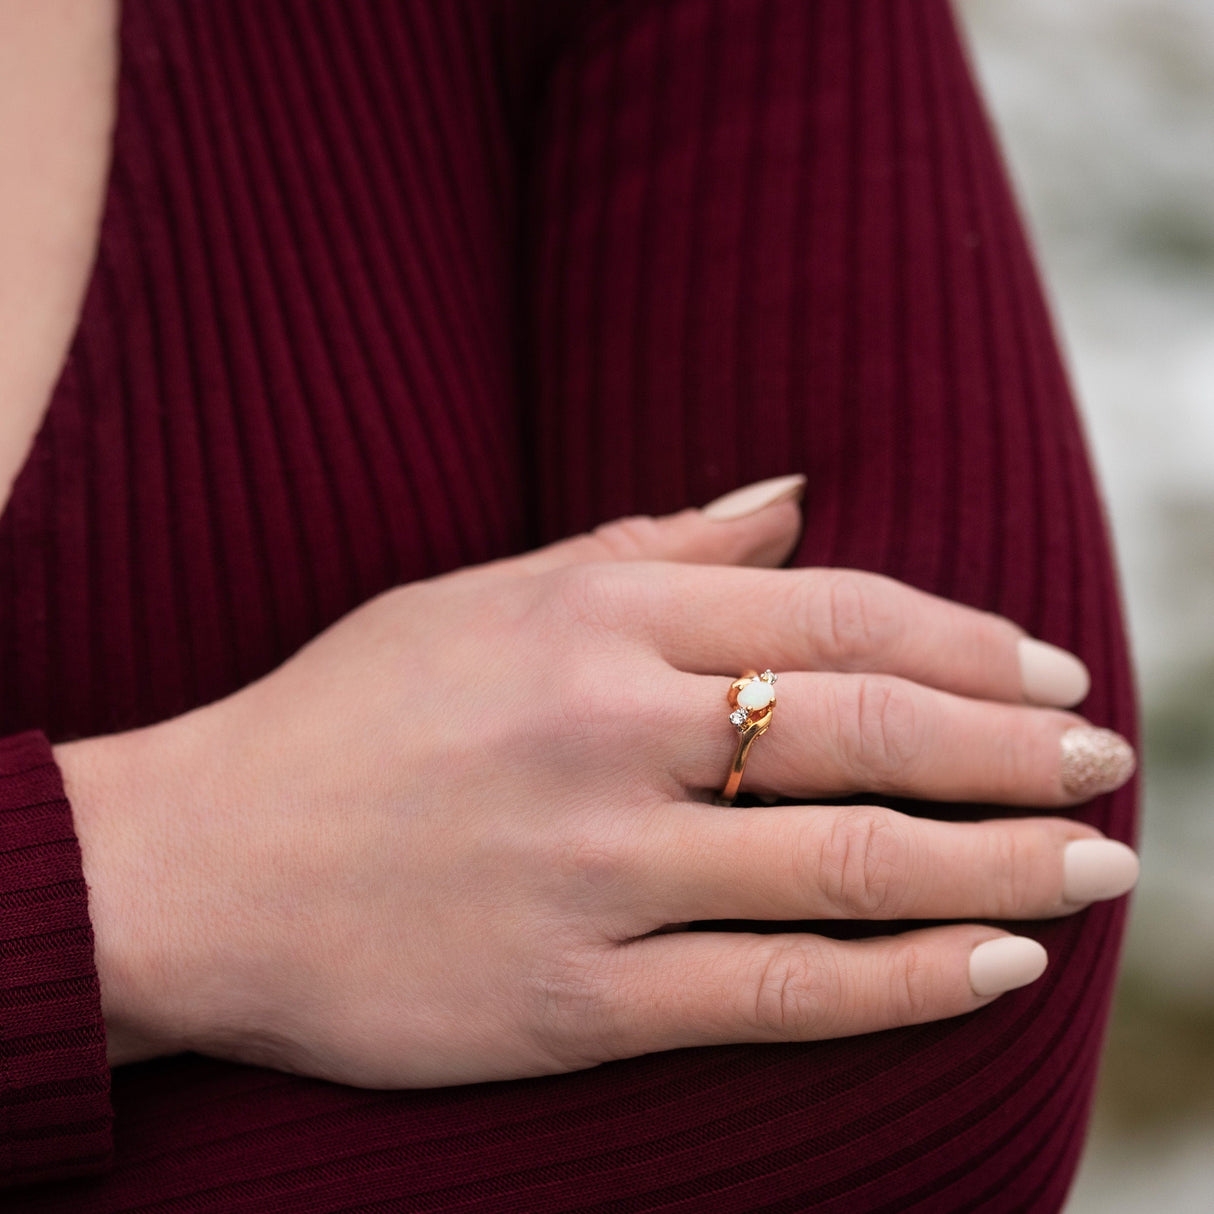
[(55, 1115)]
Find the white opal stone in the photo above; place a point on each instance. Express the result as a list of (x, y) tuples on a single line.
[(756, 694)]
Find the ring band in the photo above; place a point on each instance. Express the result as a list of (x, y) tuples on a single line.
[(752, 701)]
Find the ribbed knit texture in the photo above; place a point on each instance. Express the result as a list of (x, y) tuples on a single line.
[(385, 289), (54, 1085)]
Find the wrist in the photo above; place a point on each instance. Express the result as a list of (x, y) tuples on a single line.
[(101, 780)]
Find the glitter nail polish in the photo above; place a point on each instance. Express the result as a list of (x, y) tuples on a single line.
[(1095, 761)]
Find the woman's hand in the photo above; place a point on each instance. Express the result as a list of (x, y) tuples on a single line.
[(437, 845)]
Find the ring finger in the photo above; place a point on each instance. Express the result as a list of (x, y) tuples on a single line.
[(836, 734)]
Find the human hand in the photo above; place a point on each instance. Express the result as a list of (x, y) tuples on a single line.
[(438, 845)]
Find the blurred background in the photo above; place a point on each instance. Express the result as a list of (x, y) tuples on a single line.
[(1105, 109)]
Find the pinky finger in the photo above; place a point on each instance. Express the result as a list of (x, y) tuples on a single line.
[(712, 988)]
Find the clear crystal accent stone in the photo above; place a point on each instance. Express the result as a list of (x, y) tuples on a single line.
[(738, 717), (768, 677)]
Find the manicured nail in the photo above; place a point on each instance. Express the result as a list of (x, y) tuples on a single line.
[(1095, 761), (750, 499), (1095, 869), (1004, 964), (1050, 675)]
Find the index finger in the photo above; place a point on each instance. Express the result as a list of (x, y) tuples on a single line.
[(712, 619)]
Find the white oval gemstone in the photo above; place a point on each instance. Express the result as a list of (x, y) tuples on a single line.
[(756, 694)]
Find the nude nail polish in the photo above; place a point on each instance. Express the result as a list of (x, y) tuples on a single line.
[(750, 499), (1049, 675), (1095, 869), (1095, 761), (1005, 964)]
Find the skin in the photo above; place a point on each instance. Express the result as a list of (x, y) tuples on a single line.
[(453, 837), (440, 843), (58, 65)]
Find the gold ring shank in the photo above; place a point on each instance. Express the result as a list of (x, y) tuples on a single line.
[(754, 727)]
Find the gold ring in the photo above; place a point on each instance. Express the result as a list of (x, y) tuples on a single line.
[(752, 702)]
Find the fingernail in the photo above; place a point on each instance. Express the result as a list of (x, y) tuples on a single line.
[(1095, 761), (1005, 964), (1050, 675), (1095, 869), (750, 499)]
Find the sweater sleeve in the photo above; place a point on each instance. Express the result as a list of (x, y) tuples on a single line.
[(55, 1116)]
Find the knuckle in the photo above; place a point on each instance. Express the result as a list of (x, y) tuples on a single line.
[(911, 981), (881, 730), (852, 619), (865, 861), (790, 992), (571, 1008), (1015, 881), (574, 709), (599, 866), (586, 719), (594, 595), (588, 620), (628, 538)]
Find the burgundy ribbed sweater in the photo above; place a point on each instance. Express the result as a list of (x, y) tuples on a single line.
[(385, 289)]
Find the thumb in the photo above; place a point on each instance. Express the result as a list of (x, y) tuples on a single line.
[(755, 525)]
